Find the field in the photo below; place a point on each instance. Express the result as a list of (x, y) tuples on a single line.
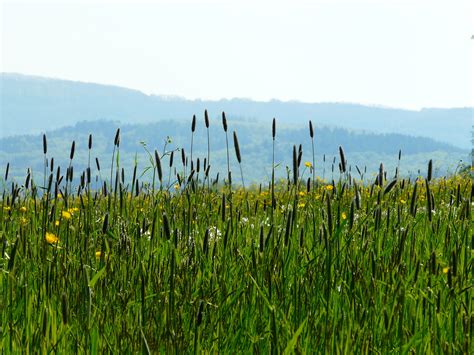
[(189, 263)]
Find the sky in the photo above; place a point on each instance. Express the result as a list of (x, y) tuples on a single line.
[(407, 54)]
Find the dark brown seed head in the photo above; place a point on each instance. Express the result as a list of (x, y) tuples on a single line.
[(413, 200), (343, 159), (390, 186), (117, 137), (64, 308), (295, 166), (90, 142), (45, 144), (237, 148), (6, 171), (171, 158), (351, 215), (97, 163), (273, 129), (193, 124), (28, 177), (300, 154), (183, 157), (105, 225), (206, 118), (166, 226), (428, 199), (381, 175), (73, 148), (224, 121), (158, 166), (311, 131), (430, 169), (205, 242)]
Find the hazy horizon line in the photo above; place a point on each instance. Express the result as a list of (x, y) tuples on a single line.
[(182, 97)]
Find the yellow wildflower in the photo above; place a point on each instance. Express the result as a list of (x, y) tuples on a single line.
[(402, 201), (308, 164), (98, 254), (51, 238), (445, 270), (6, 208), (176, 187), (301, 193), (344, 216), (329, 187), (23, 209), (73, 210), (23, 220), (56, 223), (301, 205), (66, 215)]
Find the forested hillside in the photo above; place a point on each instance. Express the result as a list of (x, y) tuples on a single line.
[(367, 150)]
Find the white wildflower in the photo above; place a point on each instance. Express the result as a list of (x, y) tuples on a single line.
[(214, 234)]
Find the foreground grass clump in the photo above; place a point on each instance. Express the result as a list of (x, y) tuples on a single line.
[(186, 264)]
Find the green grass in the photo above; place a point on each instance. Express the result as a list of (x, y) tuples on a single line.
[(192, 266)]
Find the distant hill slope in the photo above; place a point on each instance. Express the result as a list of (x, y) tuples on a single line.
[(366, 150), (32, 104)]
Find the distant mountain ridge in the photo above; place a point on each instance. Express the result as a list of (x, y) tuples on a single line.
[(31, 104)]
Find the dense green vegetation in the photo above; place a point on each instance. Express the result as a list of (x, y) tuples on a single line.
[(185, 263), (366, 150)]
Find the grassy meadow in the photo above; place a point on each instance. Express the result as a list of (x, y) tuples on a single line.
[(192, 262)]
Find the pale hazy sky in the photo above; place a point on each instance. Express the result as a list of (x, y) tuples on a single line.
[(399, 53)]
